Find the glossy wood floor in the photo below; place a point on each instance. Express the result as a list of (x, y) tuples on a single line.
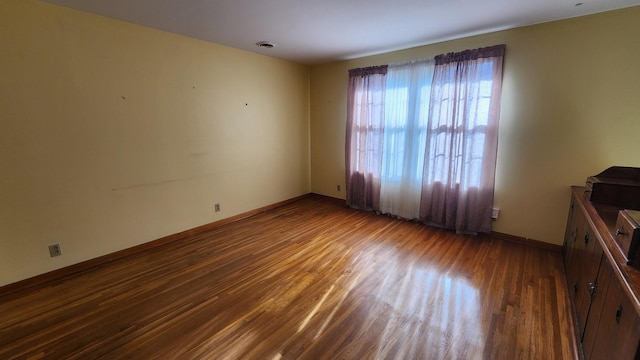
[(310, 280)]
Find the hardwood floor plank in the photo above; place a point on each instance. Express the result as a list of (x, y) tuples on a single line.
[(312, 279)]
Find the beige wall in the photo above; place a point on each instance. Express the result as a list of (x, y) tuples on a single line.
[(113, 134), (570, 109)]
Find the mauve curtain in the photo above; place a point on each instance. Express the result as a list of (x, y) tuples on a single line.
[(364, 137), (462, 140)]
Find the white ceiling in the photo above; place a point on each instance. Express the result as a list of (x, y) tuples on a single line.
[(316, 31)]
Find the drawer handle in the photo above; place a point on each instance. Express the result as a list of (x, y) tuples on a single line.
[(620, 232), (586, 239), (618, 314), (591, 288)]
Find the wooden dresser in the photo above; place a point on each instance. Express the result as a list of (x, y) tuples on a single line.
[(604, 289)]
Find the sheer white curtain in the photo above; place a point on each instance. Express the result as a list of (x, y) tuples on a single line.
[(407, 95)]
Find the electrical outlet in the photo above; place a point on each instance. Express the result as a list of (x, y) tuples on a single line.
[(338, 187), (216, 207), (494, 213), (54, 250)]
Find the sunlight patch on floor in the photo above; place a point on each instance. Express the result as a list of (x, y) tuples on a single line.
[(315, 309), (433, 311)]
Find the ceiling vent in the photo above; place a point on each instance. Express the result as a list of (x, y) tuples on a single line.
[(265, 44)]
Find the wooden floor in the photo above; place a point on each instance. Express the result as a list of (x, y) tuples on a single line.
[(309, 280)]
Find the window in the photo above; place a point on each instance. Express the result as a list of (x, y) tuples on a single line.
[(422, 138)]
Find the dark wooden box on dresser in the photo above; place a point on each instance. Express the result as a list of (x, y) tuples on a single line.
[(603, 271)]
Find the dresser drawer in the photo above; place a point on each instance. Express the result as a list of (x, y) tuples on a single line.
[(627, 233)]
